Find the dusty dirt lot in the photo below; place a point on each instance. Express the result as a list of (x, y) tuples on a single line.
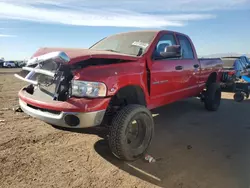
[(193, 148)]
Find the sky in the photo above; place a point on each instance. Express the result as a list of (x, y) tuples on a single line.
[(215, 26)]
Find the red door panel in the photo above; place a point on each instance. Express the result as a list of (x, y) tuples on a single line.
[(165, 80)]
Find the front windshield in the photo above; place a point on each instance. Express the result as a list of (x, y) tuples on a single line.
[(133, 43)]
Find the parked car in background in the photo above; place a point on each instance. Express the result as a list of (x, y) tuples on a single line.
[(9, 64), (20, 64)]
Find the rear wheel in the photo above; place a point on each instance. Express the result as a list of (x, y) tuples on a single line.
[(131, 132), (213, 97)]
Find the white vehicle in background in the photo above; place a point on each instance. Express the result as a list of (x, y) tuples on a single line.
[(9, 64)]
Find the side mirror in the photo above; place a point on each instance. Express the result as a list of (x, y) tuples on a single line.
[(172, 52)]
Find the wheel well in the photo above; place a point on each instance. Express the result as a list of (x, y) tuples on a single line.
[(129, 95), (211, 79)]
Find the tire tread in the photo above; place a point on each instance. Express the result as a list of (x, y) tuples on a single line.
[(212, 88), (117, 127)]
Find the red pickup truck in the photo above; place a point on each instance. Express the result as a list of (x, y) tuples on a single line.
[(116, 82)]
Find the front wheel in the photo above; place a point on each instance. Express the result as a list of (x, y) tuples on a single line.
[(213, 97), (131, 132)]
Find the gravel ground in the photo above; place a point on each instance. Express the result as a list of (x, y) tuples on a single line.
[(194, 148)]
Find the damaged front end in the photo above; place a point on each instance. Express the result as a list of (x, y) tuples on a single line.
[(48, 95), (49, 76)]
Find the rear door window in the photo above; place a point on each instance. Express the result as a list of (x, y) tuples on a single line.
[(187, 50)]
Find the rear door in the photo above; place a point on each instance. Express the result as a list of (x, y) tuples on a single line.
[(167, 75), (191, 65)]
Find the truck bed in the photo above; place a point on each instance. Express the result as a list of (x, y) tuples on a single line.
[(210, 62)]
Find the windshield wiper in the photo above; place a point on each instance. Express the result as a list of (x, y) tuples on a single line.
[(110, 50)]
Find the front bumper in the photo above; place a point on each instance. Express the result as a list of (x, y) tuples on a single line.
[(85, 119)]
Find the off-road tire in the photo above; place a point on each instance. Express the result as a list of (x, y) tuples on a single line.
[(118, 142), (213, 97)]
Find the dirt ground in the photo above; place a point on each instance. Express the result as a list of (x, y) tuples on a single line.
[(194, 149)]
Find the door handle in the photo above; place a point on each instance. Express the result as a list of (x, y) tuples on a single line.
[(178, 67), (196, 66)]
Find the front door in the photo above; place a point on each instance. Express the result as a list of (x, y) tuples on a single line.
[(167, 75)]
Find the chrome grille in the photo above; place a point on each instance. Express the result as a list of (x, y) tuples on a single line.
[(45, 92), (48, 75)]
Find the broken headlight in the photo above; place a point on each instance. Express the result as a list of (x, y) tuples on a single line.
[(88, 89)]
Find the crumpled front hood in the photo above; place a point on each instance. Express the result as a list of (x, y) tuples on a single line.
[(78, 54)]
